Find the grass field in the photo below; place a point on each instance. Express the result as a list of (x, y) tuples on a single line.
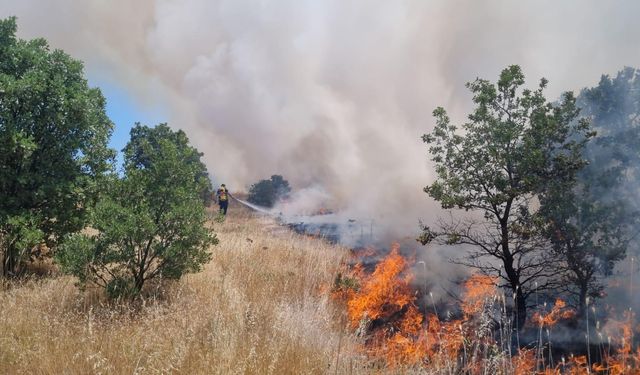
[(261, 306)]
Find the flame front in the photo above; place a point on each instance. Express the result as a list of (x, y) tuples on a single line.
[(382, 307), (557, 313), (383, 293)]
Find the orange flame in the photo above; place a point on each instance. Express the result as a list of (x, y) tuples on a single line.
[(478, 290), (558, 312), (384, 292), (524, 362), (624, 361), (382, 305), (385, 299)]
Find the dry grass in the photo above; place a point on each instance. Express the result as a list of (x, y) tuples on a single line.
[(260, 307)]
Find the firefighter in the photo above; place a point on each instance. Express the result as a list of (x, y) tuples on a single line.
[(223, 199)]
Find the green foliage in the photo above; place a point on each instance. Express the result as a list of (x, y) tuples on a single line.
[(150, 222), (591, 221), (145, 140), (53, 145), (613, 106), (587, 235), (514, 142), (266, 193)]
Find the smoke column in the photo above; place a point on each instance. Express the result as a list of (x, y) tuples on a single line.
[(333, 95)]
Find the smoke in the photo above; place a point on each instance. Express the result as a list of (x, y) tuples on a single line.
[(305, 201), (333, 95), (614, 164)]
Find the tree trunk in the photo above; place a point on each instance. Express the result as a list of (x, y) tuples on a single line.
[(521, 309), (519, 299), (582, 302), (3, 258), (513, 277), (139, 282), (10, 263)]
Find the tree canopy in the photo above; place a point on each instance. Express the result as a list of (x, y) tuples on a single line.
[(53, 145), (514, 142), (151, 221), (591, 221), (145, 141), (266, 193), (613, 107)]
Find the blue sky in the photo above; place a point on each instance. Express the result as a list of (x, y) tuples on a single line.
[(124, 111)]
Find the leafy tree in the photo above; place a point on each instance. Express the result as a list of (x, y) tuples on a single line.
[(591, 221), (266, 193), (514, 142), (53, 146), (145, 140), (614, 110), (150, 223), (587, 235)]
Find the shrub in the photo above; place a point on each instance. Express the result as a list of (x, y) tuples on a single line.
[(266, 193), (150, 223), (53, 146)]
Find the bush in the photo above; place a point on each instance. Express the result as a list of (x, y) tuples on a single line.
[(53, 146), (266, 193), (150, 223)]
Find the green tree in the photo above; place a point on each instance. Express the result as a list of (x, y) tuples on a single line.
[(146, 140), (53, 146), (591, 221), (266, 193), (587, 235), (149, 224), (514, 142), (613, 108)]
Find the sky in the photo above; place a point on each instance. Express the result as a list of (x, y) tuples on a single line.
[(334, 94), (124, 110)]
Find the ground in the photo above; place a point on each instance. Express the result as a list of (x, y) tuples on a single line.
[(262, 305)]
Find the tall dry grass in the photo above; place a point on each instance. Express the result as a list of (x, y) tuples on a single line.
[(261, 306)]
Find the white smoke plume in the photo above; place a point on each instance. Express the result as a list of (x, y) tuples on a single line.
[(332, 94), (308, 201)]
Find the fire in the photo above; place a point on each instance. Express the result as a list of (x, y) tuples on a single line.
[(322, 211), (578, 365), (557, 313), (524, 362), (382, 307), (408, 345), (624, 361), (384, 304), (478, 290), (384, 293)]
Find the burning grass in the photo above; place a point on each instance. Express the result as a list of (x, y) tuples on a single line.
[(383, 309), (265, 305)]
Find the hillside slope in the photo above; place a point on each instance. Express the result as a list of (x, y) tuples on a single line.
[(261, 306)]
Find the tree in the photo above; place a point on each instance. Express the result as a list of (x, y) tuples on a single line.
[(514, 142), (614, 162), (150, 223), (266, 193), (588, 237), (145, 140), (592, 220), (53, 146)]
